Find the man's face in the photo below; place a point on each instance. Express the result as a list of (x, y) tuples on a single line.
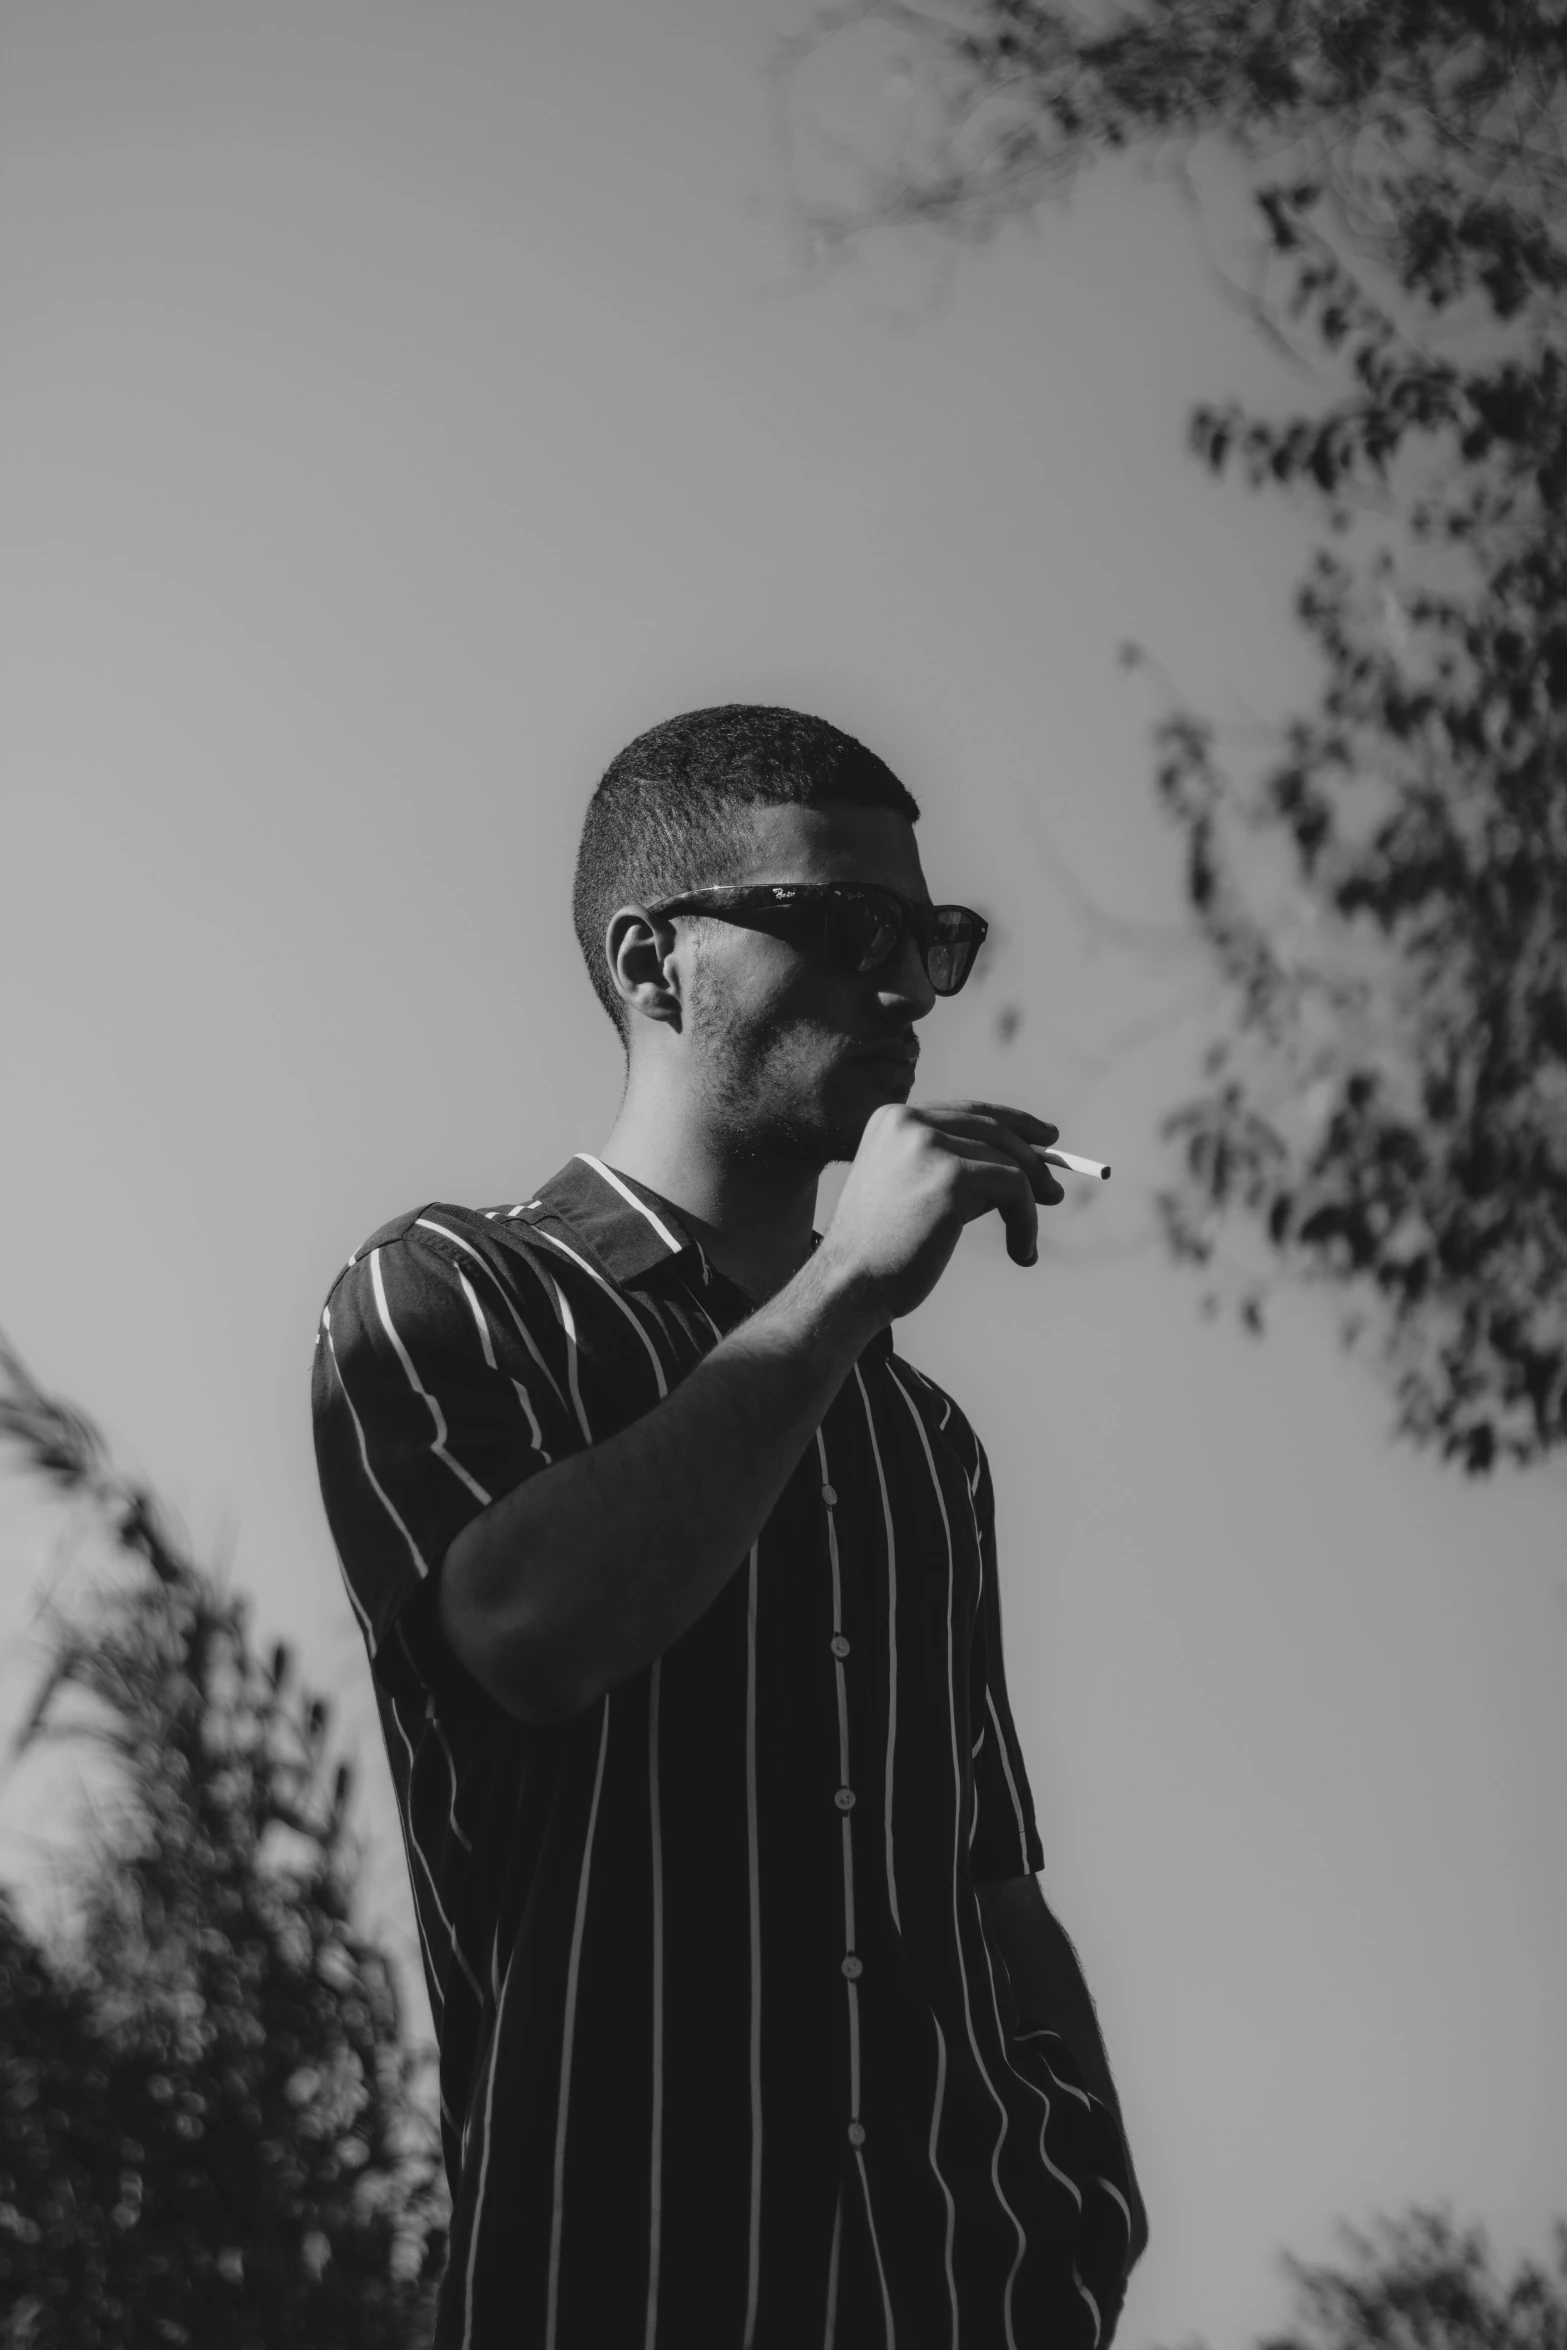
[(770, 1055)]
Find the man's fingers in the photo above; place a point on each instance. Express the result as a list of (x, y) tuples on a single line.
[(1001, 1183), (990, 1122), (1024, 1123), (980, 1124), (1036, 1132)]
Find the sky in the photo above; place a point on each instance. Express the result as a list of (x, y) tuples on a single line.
[(403, 408)]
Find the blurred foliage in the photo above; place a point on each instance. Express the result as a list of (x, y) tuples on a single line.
[(1420, 2283), (1390, 1116), (207, 2127)]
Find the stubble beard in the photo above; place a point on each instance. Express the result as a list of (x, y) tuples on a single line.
[(743, 1097)]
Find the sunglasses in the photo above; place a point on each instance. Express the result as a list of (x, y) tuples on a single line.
[(860, 924)]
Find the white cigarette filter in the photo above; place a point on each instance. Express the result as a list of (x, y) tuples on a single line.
[(1078, 1166)]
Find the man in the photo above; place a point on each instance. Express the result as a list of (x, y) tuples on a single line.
[(679, 1587)]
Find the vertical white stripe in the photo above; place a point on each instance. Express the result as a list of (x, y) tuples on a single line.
[(487, 2133), (535, 1432), (548, 1239), (848, 1882), (946, 2191), (381, 1494), (1067, 2088), (886, 2299), (754, 2239), (413, 1847), (888, 1783), (483, 1262), (445, 1745), (631, 1199), (1018, 1820), (1064, 2178), (1044, 2151), (480, 1324), (610, 1291), (656, 2170), (432, 1970), (850, 1986), (438, 1441), (1111, 2189), (979, 1588), (1006, 1765), (853, 1990), (957, 1806), (832, 2272), (697, 1306), (557, 2221), (568, 1324), (1053, 2168), (888, 1775)]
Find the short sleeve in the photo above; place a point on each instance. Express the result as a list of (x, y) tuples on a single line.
[(1005, 1839), (429, 1403)]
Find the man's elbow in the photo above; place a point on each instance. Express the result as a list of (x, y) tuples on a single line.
[(478, 1629)]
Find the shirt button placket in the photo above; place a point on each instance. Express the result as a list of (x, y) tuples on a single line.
[(853, 1966)]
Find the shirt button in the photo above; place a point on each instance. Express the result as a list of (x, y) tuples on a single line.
[(844, 1799), (829, 1495), (853, 1967), (840, 1646), (856, 2133)]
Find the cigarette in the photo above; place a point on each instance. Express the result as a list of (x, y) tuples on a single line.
[(1078, 1166)]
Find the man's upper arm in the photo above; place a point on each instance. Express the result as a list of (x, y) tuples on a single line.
[(428, 1407)]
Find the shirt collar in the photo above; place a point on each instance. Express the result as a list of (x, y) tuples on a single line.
[(628, 1229)]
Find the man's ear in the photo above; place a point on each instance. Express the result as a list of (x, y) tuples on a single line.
[(637, 948)]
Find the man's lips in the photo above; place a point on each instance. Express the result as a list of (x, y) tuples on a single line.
[(891, 1051)]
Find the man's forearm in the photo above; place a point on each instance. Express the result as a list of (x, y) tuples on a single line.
[(588, 1570)]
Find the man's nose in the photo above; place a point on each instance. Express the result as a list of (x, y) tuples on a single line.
[(907, 967)]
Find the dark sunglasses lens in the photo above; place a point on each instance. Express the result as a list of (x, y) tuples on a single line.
[(868, 930), (952, 953), (864, 929), (950, 962)]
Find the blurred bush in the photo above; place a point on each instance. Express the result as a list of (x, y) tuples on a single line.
[(209, 2131)]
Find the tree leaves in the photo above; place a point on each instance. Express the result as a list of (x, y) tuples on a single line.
[(207, 2123), (1410, 184), (1420, 2281)]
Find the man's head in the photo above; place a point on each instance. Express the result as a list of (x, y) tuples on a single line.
[(756, 1035)]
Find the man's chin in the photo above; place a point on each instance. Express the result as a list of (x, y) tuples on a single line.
[(841, 1137), (808, 1142), (868, 1085)]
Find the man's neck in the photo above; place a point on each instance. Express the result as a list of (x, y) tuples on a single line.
[(755, 1228)]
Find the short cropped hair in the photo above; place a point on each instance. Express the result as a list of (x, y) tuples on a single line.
[(674, 811)]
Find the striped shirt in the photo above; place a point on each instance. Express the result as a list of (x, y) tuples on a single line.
[(727, 2055)]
